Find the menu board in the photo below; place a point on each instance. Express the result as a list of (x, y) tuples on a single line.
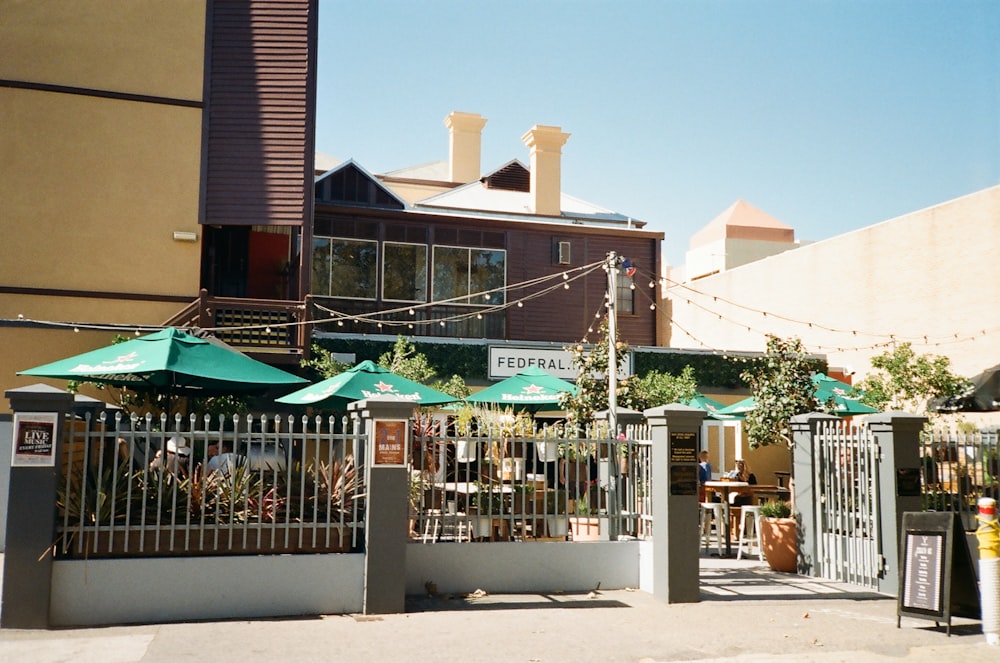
[(924, 555), (936, 577)]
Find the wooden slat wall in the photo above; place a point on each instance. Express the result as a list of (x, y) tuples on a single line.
[(565, 315), (260, 112)]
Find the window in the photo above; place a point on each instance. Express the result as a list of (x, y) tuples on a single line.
[(345, 268), (625, 295), (460, 273), (404, 272)]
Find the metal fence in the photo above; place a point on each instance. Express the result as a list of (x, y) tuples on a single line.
[(511, 481), (958, 467), (209, 485)]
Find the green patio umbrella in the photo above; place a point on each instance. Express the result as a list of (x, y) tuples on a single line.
[(710, 405), (365, 380), (738, 409), (171, 362), (826, 389), (532, 389), (831, 389)]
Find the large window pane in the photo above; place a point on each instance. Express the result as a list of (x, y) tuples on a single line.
[(321, 266), (404, 272), (353, 268), (451, 273), (487, 272)]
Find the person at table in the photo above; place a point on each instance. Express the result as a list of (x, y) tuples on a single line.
[(175, 458), (704, 474), (223, 461), (742, 472)]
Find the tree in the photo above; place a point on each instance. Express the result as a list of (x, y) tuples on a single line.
[(403, 360), (656, 388), (906, 381), (591, 365), (781, 385)]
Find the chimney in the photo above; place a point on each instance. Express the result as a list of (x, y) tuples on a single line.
[(464, 145), (545, 144)]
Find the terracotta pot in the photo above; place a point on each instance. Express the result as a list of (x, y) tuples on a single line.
[(779, 541), (586, 528)]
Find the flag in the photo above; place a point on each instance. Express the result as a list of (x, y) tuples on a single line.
[(628, 267)]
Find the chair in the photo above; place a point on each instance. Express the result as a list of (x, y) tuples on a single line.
[(712, 517), (750, 533)]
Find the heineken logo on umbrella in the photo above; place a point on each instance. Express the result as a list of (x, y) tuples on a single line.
[(530, 393), (126, 362)]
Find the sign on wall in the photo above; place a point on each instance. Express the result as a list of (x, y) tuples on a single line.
[(506, 361), (390, 443), (34, 441)]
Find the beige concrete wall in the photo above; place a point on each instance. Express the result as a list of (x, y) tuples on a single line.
[(92, 187), (153, 47), (930, 277), (96, 188)]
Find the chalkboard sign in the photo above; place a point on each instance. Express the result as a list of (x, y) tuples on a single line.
[(936, 577)]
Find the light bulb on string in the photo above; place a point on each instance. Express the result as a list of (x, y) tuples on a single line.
[(519, 304), (412, 312), (566, 286)]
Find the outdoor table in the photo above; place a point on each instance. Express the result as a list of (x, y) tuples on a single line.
[(723, 488), (765, 492)]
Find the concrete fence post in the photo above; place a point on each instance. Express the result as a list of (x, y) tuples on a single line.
[(39, 422), (388, 428), (898, 437), (676, 433)]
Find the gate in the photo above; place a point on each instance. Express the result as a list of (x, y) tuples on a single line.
[(847, 506)]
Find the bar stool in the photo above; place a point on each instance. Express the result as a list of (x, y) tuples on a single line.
[(750, 534), (711, 513)]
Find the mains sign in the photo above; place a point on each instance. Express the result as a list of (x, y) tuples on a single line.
[(506, 361)]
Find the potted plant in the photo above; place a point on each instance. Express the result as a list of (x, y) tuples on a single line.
[(556, 510), (779, 536)]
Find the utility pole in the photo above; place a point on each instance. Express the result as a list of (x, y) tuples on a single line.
[(612, 349)]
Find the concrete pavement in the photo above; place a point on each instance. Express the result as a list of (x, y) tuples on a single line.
[(747, 612)]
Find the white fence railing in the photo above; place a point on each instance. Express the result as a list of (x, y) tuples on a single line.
[(553, 484), (204, 485)]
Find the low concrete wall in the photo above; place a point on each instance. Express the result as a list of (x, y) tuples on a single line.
[(120, 591), (522, 567)]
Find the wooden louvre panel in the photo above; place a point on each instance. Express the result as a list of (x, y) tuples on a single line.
[(260, 112)]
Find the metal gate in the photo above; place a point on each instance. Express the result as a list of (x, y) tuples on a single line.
[(847, 506)]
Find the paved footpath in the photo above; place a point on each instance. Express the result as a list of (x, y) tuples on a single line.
[(747, 612)]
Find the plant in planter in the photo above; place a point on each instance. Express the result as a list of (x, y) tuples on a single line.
[(556, 511), (779, 536)]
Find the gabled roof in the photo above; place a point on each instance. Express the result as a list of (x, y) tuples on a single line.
[(349, 183), (505, 191), (741, 220), (436, 171)]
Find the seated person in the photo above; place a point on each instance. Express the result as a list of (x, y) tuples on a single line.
[(704, 474), (222, 462), (176, 458), (742, 473)]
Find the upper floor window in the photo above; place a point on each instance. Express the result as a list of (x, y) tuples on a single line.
[(625, 295), (404, 272), (345, 268), (461, 275)]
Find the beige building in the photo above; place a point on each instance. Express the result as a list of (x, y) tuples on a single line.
[(137, 146), (741, 234), (929, 277)]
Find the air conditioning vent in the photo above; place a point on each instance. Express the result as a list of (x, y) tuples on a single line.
[(564, 257)]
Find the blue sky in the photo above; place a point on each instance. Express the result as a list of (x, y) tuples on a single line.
[(829, 116)]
